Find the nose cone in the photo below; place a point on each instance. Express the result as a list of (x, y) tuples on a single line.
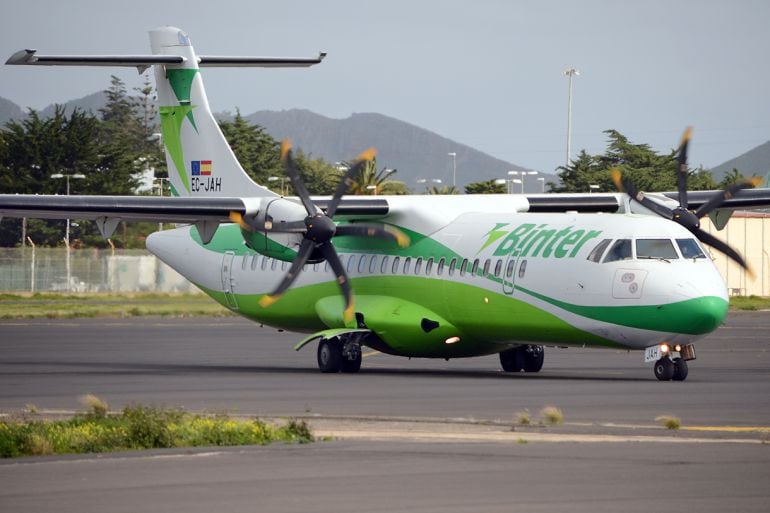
[(705, 314)]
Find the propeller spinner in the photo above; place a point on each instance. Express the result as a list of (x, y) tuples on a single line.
[(318, 229), (682, 214)]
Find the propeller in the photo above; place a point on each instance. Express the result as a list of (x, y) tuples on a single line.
[(318, 229), (682, 214)]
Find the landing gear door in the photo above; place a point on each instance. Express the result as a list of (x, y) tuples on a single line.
[(509, 275), (227, 279)]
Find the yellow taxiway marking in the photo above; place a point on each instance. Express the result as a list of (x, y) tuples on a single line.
[(728, 429), (370, 353)]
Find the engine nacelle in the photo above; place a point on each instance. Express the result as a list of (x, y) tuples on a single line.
[(281, 246)]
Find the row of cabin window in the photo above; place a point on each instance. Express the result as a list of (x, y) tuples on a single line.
[(465, 267)]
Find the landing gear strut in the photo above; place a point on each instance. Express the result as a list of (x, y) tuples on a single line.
[(527, 358), (335, 355)]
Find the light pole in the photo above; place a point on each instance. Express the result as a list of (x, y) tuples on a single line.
[(542, 184), (429, 180), (454, 167), (275, 179), (511, 181), (523, 174), (77, 176), (160, 193), (570, 72)]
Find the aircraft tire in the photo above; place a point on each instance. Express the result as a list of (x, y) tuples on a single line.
[(664, 369), (329, 356), (680, 370), (532, 357), (511, 360)]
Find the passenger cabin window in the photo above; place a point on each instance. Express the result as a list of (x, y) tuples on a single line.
[(384, 265), (394, 269), (407, 264), (429, 266), (418, 265), (440, 267), (452, 265), (498, 268), (661, 249), (486, 267), (475, 267), (621, 250), (373, 264), (351, 263), (598, 251), (509, 268), (463, 267), (690, 248), (362, 264)]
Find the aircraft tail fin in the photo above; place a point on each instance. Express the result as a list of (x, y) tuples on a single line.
[(200, 161)]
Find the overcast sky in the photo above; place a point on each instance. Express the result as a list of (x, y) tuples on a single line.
[(485, 73)]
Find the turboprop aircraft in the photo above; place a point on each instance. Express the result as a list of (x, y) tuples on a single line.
[(416, 276)]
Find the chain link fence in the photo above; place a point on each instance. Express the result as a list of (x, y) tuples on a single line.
[(86, 270)]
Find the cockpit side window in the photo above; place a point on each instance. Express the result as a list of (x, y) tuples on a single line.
[(620, 250), (690, 248), (655, 248), (598, 251)]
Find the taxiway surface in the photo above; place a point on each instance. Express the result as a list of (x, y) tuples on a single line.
[(235, 366)]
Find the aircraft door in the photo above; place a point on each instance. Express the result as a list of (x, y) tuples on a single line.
[(509, 274), (227, 279)]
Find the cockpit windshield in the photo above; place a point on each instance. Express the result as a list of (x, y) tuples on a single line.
[(690, 248), (655, 248), (620, 250)]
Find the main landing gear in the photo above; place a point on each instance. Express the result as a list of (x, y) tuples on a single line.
[(339, 355), (527, 358)]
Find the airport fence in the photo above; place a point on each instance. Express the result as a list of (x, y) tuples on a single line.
[(86, 270)]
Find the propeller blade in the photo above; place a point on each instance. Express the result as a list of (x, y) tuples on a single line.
[(330, 254), (721, 246), (374, 230), (305, 250), (719, 198), (296, 180), (629, 188), (347, 180), (681, 174)]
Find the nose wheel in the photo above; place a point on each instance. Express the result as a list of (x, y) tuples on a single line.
[(667, 369)]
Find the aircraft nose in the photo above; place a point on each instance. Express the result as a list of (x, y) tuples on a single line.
[(706, 314)]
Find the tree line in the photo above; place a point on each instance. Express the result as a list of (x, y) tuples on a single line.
[(106, 154)]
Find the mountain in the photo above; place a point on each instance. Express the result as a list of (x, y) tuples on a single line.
[(417, 153), (753, 162), (9, 111), (91, 103)]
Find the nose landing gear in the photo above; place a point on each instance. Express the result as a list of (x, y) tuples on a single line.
[(672, 365)]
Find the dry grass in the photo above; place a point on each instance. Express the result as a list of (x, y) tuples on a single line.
[(669, 421), (523, 418), (98, 406), (551, 415)]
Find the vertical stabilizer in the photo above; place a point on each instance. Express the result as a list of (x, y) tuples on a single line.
[(200, 162)]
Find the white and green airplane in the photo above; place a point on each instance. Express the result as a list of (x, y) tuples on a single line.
[(416, 276)]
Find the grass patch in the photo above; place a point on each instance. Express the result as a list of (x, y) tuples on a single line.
[(751, 303), (551, 415), (68, 306), (523, 418), (138, 427), (669, 421)]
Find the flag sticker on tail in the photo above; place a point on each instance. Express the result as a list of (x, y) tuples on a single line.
[(201, 167), (201, 179)]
